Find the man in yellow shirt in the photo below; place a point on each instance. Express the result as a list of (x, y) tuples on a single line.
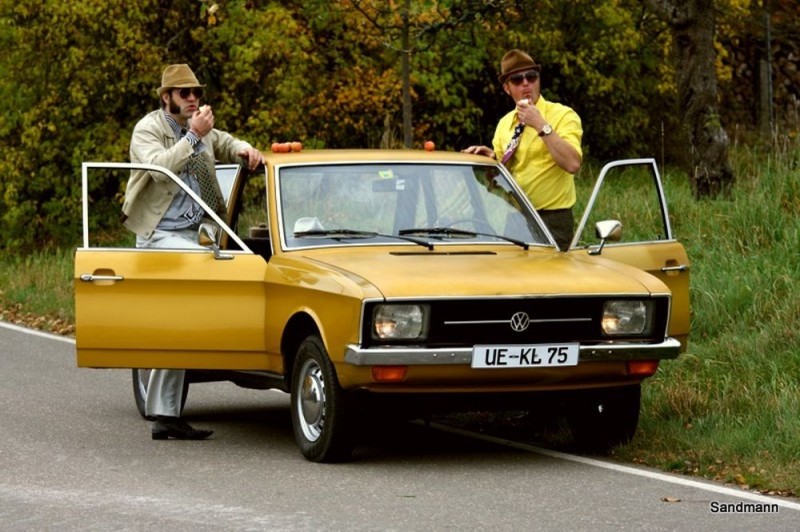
[(540, 144)]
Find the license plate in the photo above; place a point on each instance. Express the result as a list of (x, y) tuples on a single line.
[(524, 356)]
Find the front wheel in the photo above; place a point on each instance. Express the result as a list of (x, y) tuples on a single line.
[(141, 381), (602, 419), (320, 420)]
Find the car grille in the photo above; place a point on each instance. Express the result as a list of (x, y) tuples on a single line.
[(467, 322)]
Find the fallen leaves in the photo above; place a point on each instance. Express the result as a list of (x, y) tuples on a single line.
[(53, 324)]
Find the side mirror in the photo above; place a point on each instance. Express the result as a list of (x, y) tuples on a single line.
[(606, 231), (207, 236)]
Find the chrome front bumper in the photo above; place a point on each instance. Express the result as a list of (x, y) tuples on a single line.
[(401, 356)]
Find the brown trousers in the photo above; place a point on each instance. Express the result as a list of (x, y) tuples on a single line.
[(561, 224)]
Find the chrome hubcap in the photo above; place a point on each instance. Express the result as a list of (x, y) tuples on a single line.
[(311, 401)]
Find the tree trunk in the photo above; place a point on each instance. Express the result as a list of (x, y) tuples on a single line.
[(408, 135), (692, 25)]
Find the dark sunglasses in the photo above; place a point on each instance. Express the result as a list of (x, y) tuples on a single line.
[(529, 76), (184, 93)]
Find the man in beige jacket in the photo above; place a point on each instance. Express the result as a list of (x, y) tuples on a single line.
[(180, 137)]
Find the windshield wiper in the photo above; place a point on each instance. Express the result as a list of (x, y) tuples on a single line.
[(453, 232), (340, 234), (336, 233)]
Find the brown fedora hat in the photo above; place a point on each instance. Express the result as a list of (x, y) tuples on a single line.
[(516, 61), (178, 77)]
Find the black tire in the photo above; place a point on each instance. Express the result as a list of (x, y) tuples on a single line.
[(320, 418), (140, 379), (602, 419)]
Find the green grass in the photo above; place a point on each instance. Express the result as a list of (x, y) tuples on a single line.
[(729, 408), (36, 290)]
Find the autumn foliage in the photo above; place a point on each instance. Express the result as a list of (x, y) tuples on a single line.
[(76, 76)]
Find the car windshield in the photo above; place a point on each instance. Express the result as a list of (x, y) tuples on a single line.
[(424, 204)]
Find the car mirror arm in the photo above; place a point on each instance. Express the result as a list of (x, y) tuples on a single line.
[(606, 230), (207, 237)]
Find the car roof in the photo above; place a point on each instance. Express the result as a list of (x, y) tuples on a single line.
[(372, 155)]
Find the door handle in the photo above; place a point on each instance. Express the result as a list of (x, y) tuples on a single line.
[(90, 278), (679, 268)]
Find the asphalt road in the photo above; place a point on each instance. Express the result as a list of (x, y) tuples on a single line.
[(75, 455)]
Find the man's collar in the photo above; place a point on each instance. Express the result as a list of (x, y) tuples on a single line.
[(176, 127)]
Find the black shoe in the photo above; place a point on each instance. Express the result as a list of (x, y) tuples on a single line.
[(166, 427)]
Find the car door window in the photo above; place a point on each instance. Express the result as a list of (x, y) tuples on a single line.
[(226, 177), (632, 194), (104, 193), (103, 196)]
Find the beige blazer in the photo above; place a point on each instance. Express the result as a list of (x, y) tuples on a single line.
[(148, 194)]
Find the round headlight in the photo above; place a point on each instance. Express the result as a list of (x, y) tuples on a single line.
[(627, 317), (400, 322)]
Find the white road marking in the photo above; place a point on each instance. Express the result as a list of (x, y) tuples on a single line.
[(664, 477), (34, 332)]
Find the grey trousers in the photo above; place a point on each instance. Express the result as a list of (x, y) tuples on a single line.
[(165, 388), (165, 392)]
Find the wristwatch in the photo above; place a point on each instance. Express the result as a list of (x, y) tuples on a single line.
[(546, 130)]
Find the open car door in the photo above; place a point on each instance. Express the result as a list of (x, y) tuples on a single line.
[(164, 308), (631, 192)]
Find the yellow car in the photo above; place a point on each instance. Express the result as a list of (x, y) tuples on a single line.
[(363, 281)]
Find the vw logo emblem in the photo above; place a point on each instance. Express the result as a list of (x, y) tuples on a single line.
[(520, 321)]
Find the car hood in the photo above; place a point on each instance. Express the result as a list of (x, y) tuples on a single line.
[(473, 271)]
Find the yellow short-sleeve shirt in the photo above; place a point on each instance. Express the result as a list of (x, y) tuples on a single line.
[(544, 182)]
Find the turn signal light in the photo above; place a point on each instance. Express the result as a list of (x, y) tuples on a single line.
[(642, 368), (389, 373)]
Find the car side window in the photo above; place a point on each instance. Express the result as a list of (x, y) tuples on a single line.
[(103, 195), (226, 177), (631, 194), (250, 220)]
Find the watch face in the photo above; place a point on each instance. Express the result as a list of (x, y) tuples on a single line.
[(546, 130)]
